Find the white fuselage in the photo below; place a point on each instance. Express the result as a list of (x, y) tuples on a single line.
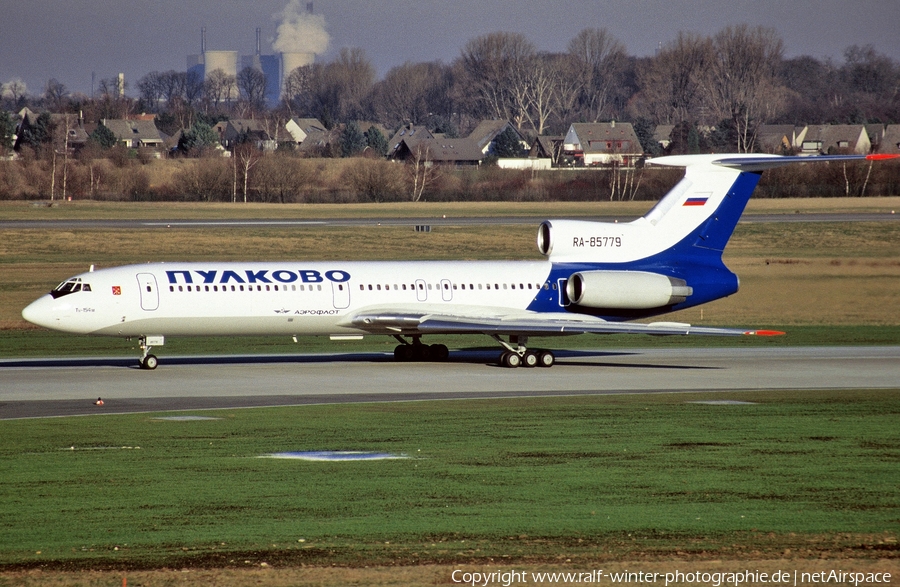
[(290, 298)]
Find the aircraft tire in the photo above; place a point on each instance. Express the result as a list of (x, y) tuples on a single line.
[(149, 362), (403, 353), (421, 352), (510, 360), (546, 359), (439, 352), (530, 359)]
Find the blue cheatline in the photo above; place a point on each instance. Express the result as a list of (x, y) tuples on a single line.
[(333, 455)]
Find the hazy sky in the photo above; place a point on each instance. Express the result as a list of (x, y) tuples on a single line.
[(68, 40)]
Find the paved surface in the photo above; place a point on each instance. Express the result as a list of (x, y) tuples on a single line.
[(65, 387), (432, 221)]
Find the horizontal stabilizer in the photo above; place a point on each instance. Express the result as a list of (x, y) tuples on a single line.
[(759, 162)]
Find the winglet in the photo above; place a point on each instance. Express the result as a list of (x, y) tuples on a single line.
[(764, 333)]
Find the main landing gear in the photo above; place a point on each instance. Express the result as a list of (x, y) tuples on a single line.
[(416, 351), (518, 355), (148, 361)]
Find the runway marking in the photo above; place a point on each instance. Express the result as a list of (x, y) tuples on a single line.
[(723, 402), (185, 418), (334, 455)]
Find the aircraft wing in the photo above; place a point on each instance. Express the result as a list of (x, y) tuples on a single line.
[(528, 324)]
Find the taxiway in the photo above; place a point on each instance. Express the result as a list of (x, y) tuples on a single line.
[(34, 388)]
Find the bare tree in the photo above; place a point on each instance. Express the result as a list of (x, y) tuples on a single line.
[(56, 95), (219, 88), (569, 86), (335, 91), (543, 87), (15, 91), (244, 156), (251, 83), (601, 58), (742, 83), (497, 68), (150, 88), (422, 171), (354, 75), (405, 94), (672, 84)]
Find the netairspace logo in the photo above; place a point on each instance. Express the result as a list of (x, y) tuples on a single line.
[(713, 579)]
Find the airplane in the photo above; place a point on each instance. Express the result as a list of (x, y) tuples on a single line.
[(597, 277)]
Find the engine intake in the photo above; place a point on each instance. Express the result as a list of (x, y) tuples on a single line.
[(626, 290)]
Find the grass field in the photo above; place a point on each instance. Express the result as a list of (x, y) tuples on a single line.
[(786, 480), (593, 477)]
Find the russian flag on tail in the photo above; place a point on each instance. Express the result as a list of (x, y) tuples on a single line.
[(696, 201)]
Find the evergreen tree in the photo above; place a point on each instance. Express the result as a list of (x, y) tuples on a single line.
[(103, 137), (645, 129), (200, 136), (7, 130), (40, 133), (507, 144), (353, 141), (375, 140)]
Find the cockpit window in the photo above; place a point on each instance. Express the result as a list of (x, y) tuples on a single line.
[(69, 287)]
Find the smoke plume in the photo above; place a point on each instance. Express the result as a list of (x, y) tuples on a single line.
[(299, 31)]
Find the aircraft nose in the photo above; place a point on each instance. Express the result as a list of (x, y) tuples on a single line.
[(38, 312)]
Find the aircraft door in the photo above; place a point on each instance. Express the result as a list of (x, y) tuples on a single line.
[(341, 291), (563, 296), (446, 290), (149, 291), (421, 290)]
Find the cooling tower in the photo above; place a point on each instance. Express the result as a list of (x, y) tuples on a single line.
[(224, 60), (291, 61)]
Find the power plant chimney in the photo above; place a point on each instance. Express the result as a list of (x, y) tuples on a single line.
[(202, 40), (258, 51)]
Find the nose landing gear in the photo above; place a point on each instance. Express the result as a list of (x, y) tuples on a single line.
[(148, 361)]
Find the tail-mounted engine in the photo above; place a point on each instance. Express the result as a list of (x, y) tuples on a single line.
[(626, 290), (570, 240)]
